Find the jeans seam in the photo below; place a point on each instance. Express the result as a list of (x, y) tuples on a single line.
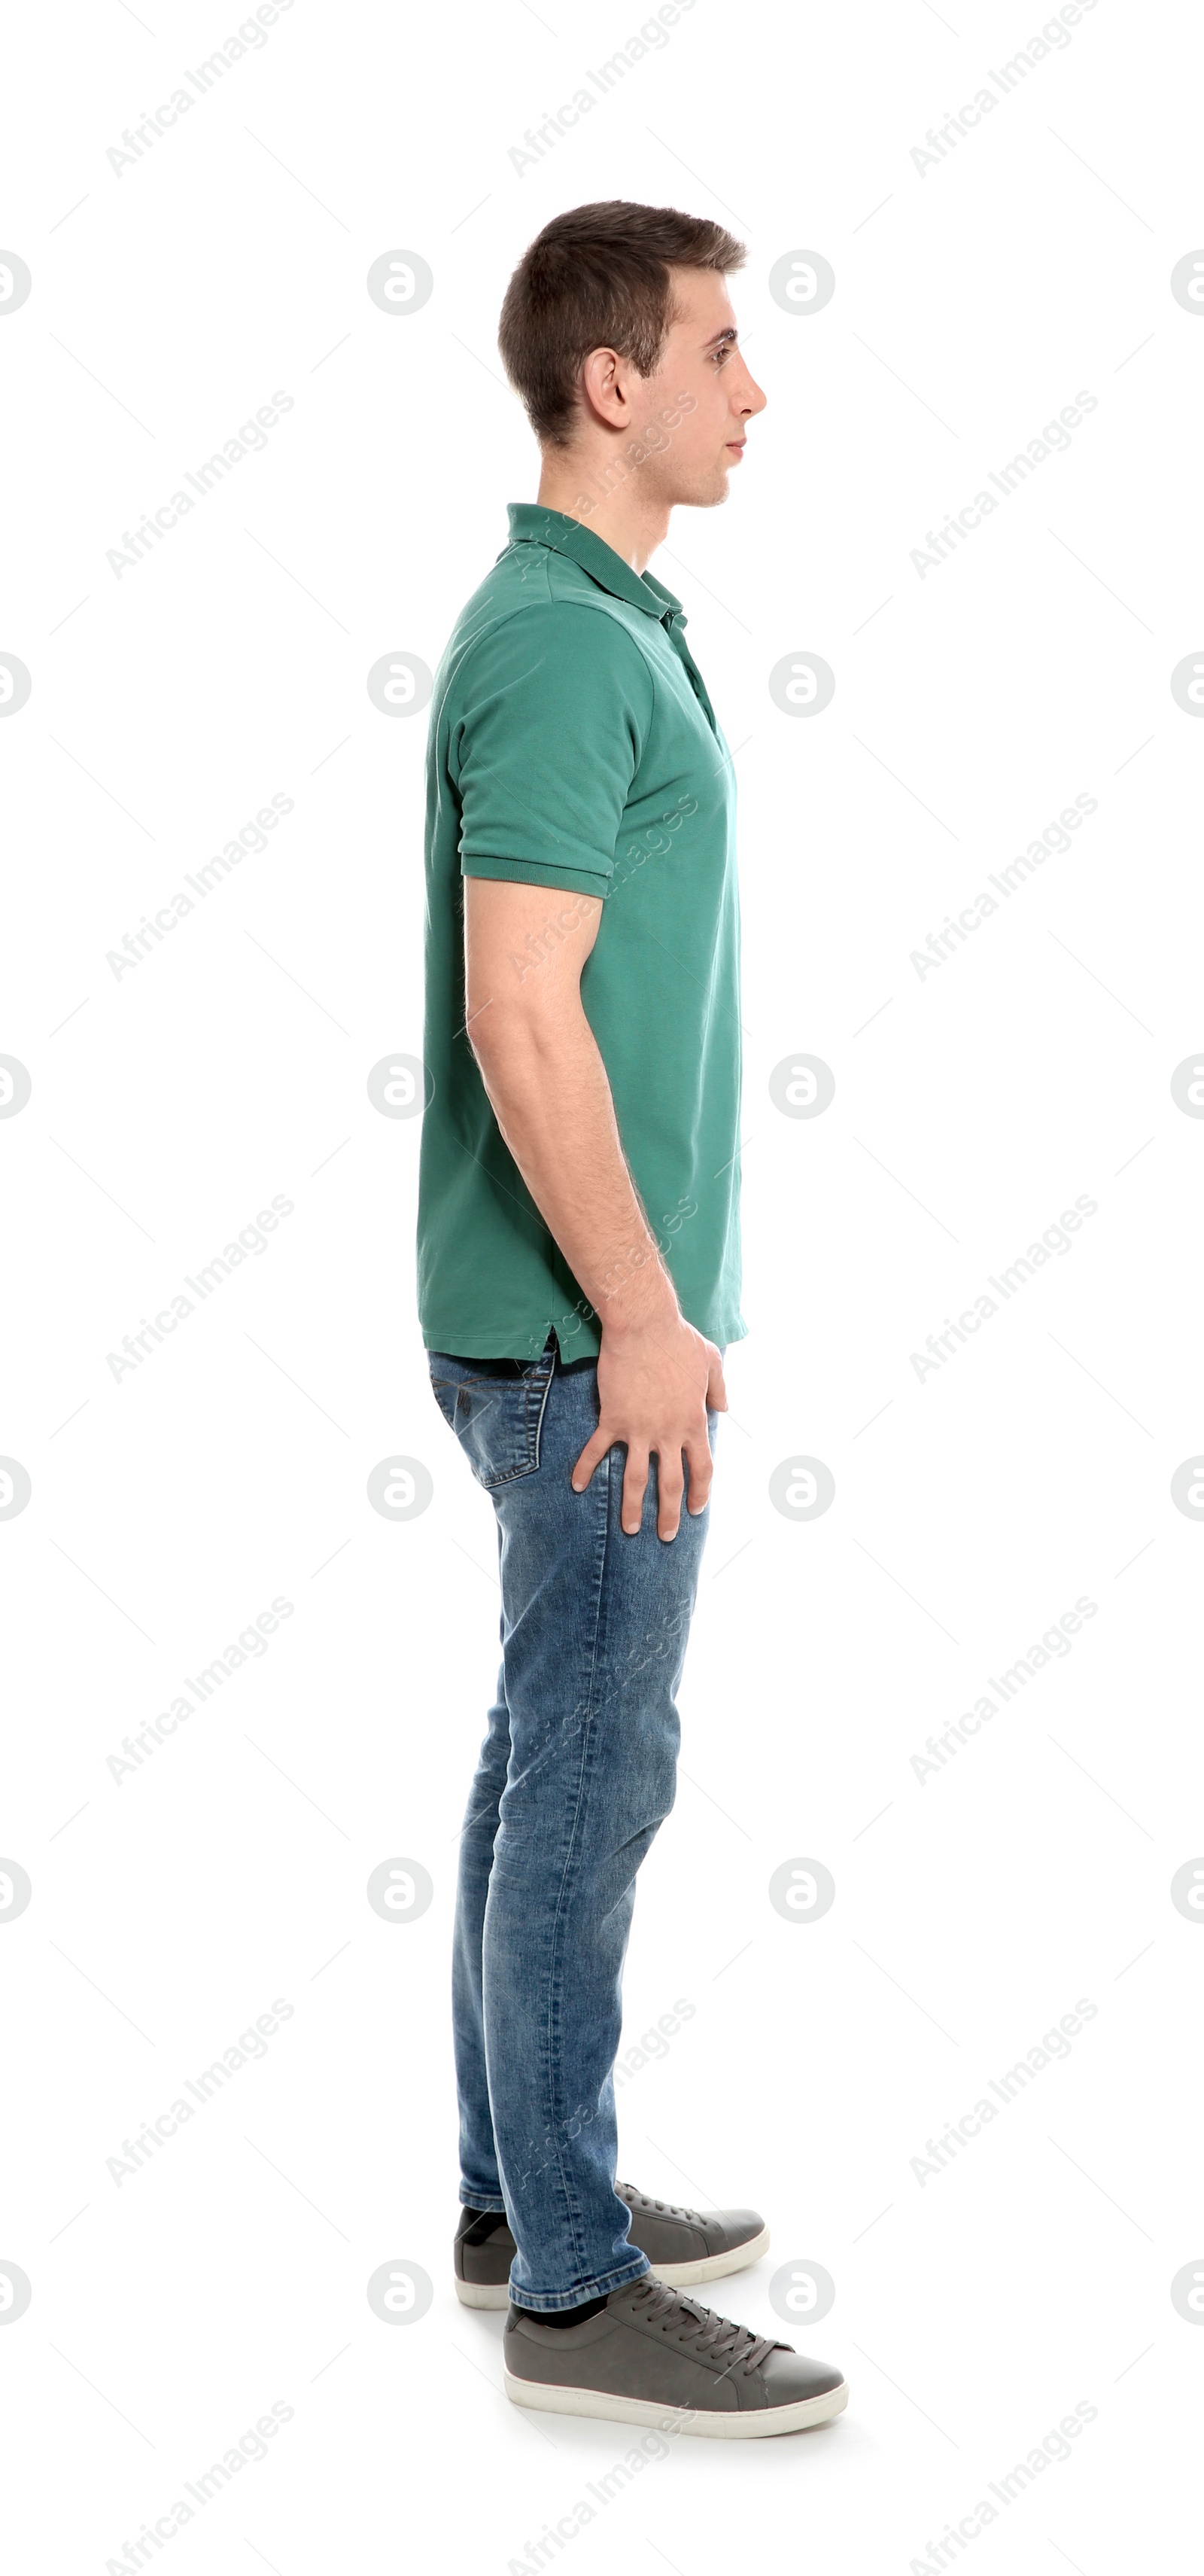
[(556, 1967), (542, 1408)]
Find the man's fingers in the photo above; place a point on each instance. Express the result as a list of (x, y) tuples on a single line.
[(670, 1488), (702, 1468), (635, 1485), (591, 1456), (671, 1474)]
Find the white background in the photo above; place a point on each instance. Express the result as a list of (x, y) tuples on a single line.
[(973, 300)]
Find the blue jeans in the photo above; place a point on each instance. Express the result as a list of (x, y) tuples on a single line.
[(576, 1772)]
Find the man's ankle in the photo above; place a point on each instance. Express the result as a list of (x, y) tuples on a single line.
[(567, 2316)]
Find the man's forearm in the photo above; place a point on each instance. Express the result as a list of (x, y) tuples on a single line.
[(547, 1086), (549, 1092)]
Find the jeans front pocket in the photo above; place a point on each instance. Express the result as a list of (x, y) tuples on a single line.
[(497, 1420)]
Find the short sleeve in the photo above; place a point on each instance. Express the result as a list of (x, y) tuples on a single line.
[(555, 708)]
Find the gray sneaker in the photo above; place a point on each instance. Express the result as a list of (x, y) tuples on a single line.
[(684, 2246), (652, 2356)]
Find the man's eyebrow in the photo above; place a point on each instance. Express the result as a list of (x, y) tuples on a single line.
[(717, 337)]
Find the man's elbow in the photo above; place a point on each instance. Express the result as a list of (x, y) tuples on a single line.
[(510, 1032)]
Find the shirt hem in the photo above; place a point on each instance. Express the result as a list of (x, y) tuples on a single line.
[(550, 873), (494, 1342)]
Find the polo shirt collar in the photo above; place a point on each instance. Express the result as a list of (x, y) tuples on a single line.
[(532, 524)]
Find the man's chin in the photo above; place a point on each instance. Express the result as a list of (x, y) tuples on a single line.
[(708, 494)]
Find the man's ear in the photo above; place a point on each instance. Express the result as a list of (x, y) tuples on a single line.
[(604, 388)]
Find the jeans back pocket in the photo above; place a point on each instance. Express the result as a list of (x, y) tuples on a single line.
[(497, 1420)]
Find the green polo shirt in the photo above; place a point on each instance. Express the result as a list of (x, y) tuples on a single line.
[(573, 746)]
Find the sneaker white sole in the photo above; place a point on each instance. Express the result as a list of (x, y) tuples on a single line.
[(679, 2276), (714, 2267), (744, 2427), (480, 2294)]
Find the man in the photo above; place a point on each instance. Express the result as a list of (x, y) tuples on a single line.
[(579, 1278)]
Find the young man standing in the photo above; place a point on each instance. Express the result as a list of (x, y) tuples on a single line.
[(579, 1278)]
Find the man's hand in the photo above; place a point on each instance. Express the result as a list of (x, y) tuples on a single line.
[(655, 1381)]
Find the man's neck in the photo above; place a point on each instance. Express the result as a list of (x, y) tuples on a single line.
[(632, 523)]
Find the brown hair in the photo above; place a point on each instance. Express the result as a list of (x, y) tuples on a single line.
[(598, 277)]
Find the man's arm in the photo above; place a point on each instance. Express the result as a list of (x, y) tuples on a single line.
[(548, 1090)]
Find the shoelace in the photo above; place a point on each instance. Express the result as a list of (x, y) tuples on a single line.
[(716, 2336), (644, 2200)]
